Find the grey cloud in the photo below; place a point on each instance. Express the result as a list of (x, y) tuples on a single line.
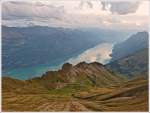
[(120, 8), (28, 10)]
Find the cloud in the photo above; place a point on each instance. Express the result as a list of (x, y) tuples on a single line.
[(85, 3), (121, 8), (76, 14), (30, 10)]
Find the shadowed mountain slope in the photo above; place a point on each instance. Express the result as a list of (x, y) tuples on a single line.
[(133, 65), (130, 46)]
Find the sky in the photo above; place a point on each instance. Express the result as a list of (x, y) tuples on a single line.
[(109, 14)]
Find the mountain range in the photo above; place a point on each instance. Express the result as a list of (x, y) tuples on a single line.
[(32, 46), (130, 46), (42, 45), (133, 65), (121, 85), (130, 57)]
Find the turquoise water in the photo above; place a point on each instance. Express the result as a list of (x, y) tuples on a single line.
[(99, 53), (35, 71), (30, 72)]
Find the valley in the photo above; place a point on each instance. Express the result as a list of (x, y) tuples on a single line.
[(120, 85), (75, 56), (83, 87), (31, 51)]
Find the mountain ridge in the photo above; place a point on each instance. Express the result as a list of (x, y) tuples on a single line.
[(133, 44), (29, 95), (81, 87), (131, 66)]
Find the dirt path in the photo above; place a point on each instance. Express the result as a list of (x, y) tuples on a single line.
[(74, 105)]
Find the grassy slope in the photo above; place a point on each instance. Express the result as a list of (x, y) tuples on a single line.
[(130, 96), (84, 87), (33, 97)]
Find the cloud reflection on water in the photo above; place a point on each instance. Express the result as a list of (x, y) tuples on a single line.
[(100, 53)]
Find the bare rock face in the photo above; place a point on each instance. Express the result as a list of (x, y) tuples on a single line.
[(66, 66), (83, 74), (81, 65), (93, 74)]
